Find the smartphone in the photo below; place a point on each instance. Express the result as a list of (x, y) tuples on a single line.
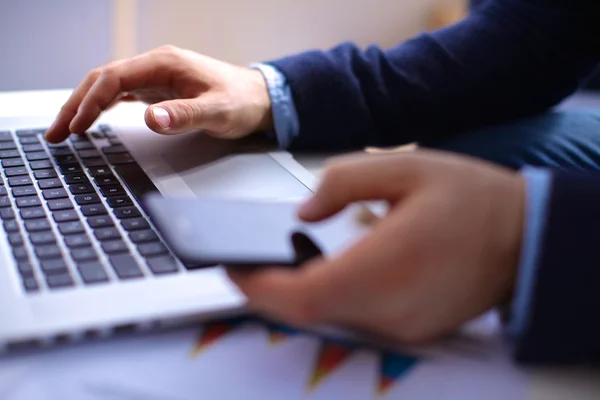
[(248, 233)]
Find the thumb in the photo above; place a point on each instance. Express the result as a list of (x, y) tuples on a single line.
[(178, 116), (361, 178)]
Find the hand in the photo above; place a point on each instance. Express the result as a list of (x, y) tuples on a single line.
[(446, 251), (191, 91)]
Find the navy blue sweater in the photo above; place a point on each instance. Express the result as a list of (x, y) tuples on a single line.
[(508, 59)]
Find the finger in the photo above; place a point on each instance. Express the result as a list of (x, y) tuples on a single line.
[(361, 178), (59, 130), (184, 115), (330, 290), (296, 296), (121, 76)]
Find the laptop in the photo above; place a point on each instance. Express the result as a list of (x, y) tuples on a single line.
[(79, 256)]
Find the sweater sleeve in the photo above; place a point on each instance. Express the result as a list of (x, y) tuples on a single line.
[(507, 59)]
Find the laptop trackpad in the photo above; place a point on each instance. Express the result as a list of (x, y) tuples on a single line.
[(248, 176)]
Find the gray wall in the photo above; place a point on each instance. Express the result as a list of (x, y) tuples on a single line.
[(51, 44)]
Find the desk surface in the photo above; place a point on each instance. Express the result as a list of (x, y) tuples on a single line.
[(546, 384)]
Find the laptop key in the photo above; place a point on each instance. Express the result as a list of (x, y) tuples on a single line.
[(5, 136), (37, 225), (36, 156), (83, 145), (106, 180), (8, 145), (93, 209), (162, 265), (61, 151), (44, 173), (4, 202), (119, 201), (22, 191), (69, 168), (19, 181), (126, 212), (112, 190), (48, 251), (65, 159), (125, 266), (133, 224), (144, 236), (30, 132), (55, 266), (20, 253), (114, 149), (79, 137), (25, 268), (117, 159), (28, 148), (15, 239), (83, 199), (50, 183), (30, 284), (92, 272), (28, 140), (69, 228), (60, 204), (110, 233), (13, 162), (81, 188), (65, 215), (50, 194), (76, 177), (3, 191), (114, 246), (11, 225), (94, 162), (152, 249), (97, 171), (32, 212), (42, 164), (100, 221), (74, 241), (16, 171), (7, 213), (56, 281), (9, 154), (40, 238), (91, 153), (28, 201), (84, 254)]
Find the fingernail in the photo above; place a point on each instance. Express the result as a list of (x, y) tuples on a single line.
[(307, 207), (162, 117)]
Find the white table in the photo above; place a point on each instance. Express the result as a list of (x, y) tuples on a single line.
[(547, 384)]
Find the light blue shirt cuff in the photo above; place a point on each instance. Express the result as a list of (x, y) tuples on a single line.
[(537, 181), (285, 117)]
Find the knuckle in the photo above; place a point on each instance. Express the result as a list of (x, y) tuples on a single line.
[(305, 312), (225, 118), (334, 174), (168, 50), (189, 112), (95, 73)]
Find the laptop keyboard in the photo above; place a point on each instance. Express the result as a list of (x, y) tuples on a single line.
[(69, 214)]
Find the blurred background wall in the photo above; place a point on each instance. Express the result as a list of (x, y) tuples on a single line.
[(50, 44)]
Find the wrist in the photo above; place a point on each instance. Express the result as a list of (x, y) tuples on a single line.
[(260, 101)]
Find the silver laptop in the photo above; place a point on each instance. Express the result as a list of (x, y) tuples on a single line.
[(79, 257)]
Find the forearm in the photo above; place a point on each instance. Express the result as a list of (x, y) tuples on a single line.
[(506, 60)]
